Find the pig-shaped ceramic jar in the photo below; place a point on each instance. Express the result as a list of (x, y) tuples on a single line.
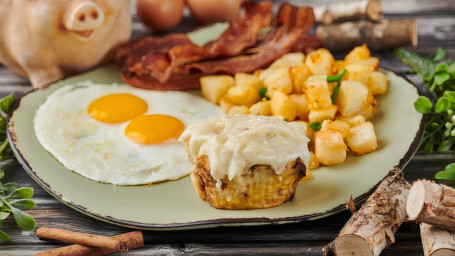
[(46, 40)]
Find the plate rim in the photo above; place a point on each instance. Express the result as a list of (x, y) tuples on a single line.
[(194, 224)]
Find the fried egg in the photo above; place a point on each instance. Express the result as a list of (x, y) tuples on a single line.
[(119, 134)]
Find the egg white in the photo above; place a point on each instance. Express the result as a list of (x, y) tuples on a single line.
[(101, 151)]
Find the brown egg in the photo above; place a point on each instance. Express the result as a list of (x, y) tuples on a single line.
[(160, 15), (209, 11)]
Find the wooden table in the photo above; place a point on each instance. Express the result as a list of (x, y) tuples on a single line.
[(436, 27)]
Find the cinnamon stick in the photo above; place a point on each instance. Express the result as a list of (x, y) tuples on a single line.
[(81, 238), (132, 240)]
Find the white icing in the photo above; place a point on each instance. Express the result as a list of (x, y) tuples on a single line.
[(234, 144)]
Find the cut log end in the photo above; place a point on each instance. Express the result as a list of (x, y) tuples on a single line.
[(416, 199), (443, 252), (374, 10), (352, 245)]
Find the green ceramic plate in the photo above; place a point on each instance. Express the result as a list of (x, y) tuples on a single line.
[(175, 204)]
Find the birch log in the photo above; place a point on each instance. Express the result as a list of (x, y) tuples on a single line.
[(377, 35), (437, 241), (432, 203), (373, 227), (329, 13)]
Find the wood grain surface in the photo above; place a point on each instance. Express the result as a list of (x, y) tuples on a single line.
[(436, 27)]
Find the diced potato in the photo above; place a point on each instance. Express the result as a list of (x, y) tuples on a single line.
[(378, 83), (301, 105), (341, 126), (358, 53), (226, 104), (288, 60), (308, 130), (317, 93), (320, 115), (281, 104), (354, 120), (313, 163), (215, 87), (371, 62), (299, 75), (329, 147), (321, 62), (339, 64), (262, 108), (362, 138), (238, 110), (248, 80), (262, 73), (370, 108), (241, 95), (352, 98), (278, 79), (358, 72)]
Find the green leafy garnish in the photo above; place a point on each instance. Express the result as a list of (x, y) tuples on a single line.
[(438, 74), (12, 199), (316, 126), (263, 93), (6, 104), (336, 88)]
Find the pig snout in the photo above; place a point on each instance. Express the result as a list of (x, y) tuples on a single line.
[(84, 16)]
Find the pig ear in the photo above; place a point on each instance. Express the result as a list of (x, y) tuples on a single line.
[(83, 16)]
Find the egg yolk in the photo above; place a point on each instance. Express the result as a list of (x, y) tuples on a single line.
[(117, 108), (154, 129)]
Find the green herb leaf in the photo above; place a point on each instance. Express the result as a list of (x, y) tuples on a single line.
[(336, 89), (441, 68), (25, 192), (442, 105), (262, 92), (7, 102), (447, 174), (10, 186), (450, 95), (445, 146), (423, 105), (439, 55), (24, 204), (440, 78), (2, 174), (4, 215), (316, 126), (424, 67), (4, 236), (23, 219), (428, 147)]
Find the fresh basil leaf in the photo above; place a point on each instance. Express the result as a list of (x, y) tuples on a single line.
[(10, 186), (439, 55), (316, 126), (4, 236), (25, 192), (23, 219), (4, 215), (423, 105), (442, 105), (24, 204), (7, 102)]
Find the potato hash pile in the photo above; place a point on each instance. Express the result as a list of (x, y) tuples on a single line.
[(332, 99)]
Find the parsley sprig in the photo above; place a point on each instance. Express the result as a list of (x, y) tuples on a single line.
[(438, 74), (13, 198)]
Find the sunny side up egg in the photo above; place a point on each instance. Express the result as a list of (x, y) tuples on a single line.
[(119, 134)]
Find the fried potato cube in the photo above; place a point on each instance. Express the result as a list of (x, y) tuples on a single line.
[(317, 93), (214, 88), (362, 138), (308, 130), (370, 108), (226, 104), (238, 110), (321, 62), (371, 62), (281, 104), (341, 126), (313, 163), (288, 60), (320, 115), (378, 83), (358, 72), (329, 147), (299, 75), (278, 79), (352, 98), (247, 80), (354, 120), (301, 105), (262, 108), (360, 52), (339, 64), (241, 95)]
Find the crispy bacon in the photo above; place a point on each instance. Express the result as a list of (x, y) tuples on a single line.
[(173, 62)]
